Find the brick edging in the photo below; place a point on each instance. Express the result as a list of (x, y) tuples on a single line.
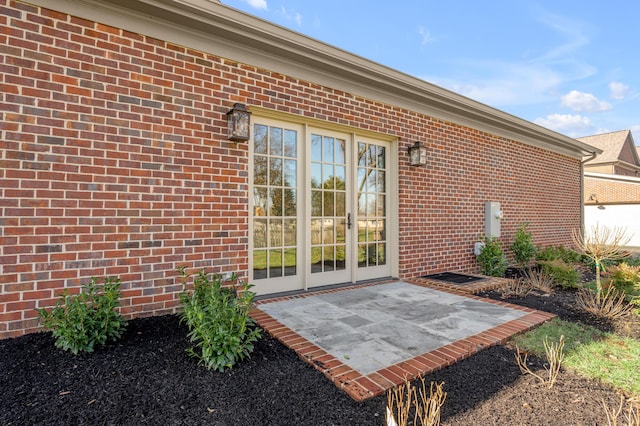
[(361, 387)]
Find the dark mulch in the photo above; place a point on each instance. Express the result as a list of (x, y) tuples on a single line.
[(147, 378)]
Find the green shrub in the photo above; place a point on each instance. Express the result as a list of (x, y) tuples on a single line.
[(564, 274), (624, 277), (523, 249), (633, 260), (551, 253), (220, 327), (87, 320), (492, 259)]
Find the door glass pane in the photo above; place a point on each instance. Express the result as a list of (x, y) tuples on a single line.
[(328, 231), (290, 173), (328, 175), (316, 231), (290, 202), (275, 171), (260, 233), (341, 207), (328, 156), (274, 198), (260, 139), (339, 151), (275, 263), (290, 261), (260, 170), (316, 175), (290, 232), (275, 142), (328, 203), (372, 188), (316, 148), (290, 143), (259, 264)]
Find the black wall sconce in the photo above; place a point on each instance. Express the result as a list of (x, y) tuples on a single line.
[(418, 154), (238, 123)]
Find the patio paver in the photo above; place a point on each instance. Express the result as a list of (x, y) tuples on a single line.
[(369, 338)]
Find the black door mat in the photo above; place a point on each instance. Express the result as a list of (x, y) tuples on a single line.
[(454, 278)]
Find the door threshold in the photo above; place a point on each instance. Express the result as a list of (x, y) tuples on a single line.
[(324, 288)]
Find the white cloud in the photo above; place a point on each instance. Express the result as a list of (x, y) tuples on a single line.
[(291, 16), (580, 101), (258, 4), (572, 125), (618, 90), (426, 36)]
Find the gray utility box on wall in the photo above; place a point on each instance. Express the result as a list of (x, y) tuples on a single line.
[(492, 218)]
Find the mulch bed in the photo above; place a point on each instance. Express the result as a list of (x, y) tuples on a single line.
[(147, 378)]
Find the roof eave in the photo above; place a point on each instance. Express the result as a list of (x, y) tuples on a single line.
[(241, 37)]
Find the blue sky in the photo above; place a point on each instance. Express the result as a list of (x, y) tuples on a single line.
[(568, 65)]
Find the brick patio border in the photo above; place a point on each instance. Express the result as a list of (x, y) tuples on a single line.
[(361, 387)]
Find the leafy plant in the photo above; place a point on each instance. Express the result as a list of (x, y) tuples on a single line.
[(220, 328), (549, 253), (492, 259), (602, 243), (89, 319), (563, 274), (523, 249), (625, 278)]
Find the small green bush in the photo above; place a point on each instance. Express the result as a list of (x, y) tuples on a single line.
[(624, 277), (563, 274), (523, 249), (551, 253), (492, 259), (220, 327), (87, 320)]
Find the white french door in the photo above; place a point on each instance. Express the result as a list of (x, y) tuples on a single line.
[(319, 207)]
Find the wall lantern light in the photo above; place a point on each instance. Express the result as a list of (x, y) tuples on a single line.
[(238, 123), (418, 154)]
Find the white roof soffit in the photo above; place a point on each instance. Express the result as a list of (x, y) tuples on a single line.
[(208, 26)]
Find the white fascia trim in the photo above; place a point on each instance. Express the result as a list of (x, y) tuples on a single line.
[(214, 28), (617, 178)]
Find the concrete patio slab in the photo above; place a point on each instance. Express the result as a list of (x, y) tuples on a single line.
[(367, 339)]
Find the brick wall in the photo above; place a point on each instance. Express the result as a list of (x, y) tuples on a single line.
[(115, 162), (611, 190)]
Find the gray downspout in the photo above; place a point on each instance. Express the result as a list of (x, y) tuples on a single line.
[(593, 155)]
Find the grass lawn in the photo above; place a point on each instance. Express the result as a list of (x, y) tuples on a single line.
[(591, 353)]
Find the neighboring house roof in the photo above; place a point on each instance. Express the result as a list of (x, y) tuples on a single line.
[(221, 30), (616, 147)]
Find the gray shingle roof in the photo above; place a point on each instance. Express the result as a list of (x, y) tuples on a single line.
[(611, 144)]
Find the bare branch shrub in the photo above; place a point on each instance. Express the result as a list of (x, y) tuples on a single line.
[(540, 280), (399, 401), (555, 356), (517, 288), (631, 415), (428, 408), (609, 303), (405, 399), (602, 243)]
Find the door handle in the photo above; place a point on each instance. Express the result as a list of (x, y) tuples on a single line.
[(348, 220)]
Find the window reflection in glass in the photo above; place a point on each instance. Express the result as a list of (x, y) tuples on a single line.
[(274, 198)]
